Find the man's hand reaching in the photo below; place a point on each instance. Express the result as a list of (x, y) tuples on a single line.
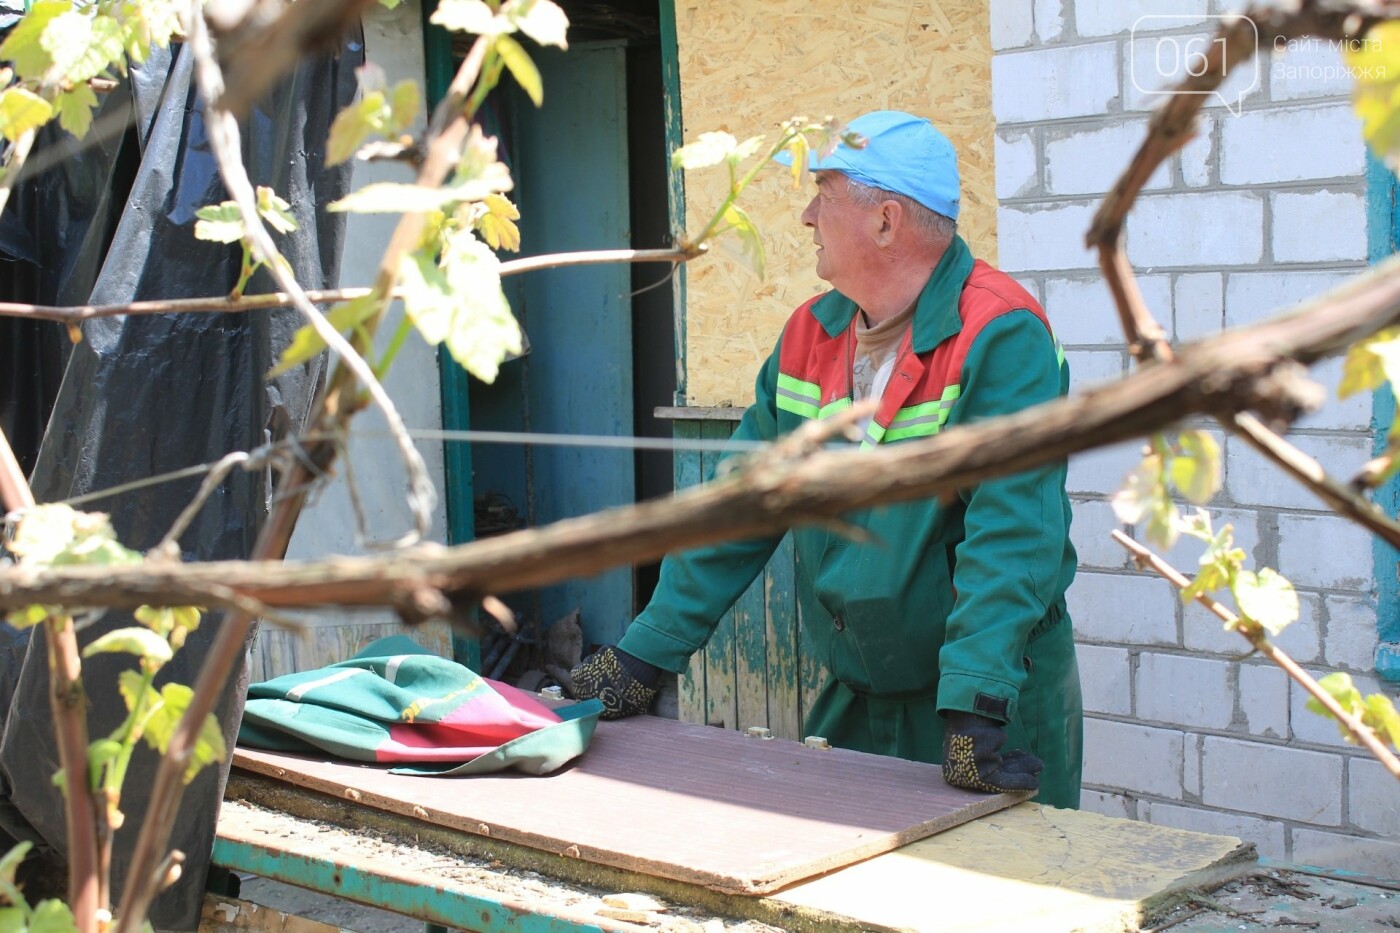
[(626, 685), (972, 757)]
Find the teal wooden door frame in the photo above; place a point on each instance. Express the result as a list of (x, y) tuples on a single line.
[(1383, 238)]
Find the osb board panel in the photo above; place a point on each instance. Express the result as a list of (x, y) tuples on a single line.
[(278, 651), (696, 804), (744, 68)]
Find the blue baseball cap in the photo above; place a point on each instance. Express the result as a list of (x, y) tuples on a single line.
[(903, 153)]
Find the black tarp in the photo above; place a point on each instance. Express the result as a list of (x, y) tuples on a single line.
[(145, 395)]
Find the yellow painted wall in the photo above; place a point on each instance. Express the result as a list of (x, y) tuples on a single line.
[(744, 68)]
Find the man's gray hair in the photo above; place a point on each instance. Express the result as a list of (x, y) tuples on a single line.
[(934, 228)]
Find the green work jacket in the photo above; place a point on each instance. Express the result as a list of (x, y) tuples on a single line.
[(951, 605)]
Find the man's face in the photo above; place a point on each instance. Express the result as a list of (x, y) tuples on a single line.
[(841, 229)]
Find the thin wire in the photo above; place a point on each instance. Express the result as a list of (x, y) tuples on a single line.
[(574, 440)]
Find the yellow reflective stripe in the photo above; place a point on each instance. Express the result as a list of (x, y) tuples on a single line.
[(798, 397), (923, 420), (1059, 352), (831, 408)]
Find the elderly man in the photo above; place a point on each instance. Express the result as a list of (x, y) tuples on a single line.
[(944, 632)]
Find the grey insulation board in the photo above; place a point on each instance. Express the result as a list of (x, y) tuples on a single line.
[(708, 806)]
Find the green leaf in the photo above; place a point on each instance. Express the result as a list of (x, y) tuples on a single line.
[(1341, 688), (1195, 472), (141, 642), (497, 224), (14, 919), (404, 103), (462, 305), (82, 47), (219, 223), (748, 236), (389, 4), (163, 715), (392, 198), (352, 126), (29, 616), (22, 111), (1376, 67), (57, 535), (541, 20), (1266, 597), (1380, 714), (209, 748), (147, 24), (745, 149), (1163, 526), (306, 343), (23, 47), (522, 67), (52, 916), (9, 864), (708, 149), (472, 16), (274, 210), (75, 109), (1143, 486)]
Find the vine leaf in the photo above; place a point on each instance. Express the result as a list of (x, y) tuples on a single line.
[(708, 149), (376, 113), (307, 343), (52, 916), (749, 237), (393, 198), (75, 109), (1267, 598), (522, 67), (1376, 711), (142, 642), (497, 224), (24, 48), (1376, 95), (1195, 471), (460, 304), (22, 110)]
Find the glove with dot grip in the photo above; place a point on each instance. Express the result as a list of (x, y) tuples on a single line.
[(972, 757), (624, 684)]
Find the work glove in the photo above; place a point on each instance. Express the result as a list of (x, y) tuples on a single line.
[(624, 684), (972, 757)]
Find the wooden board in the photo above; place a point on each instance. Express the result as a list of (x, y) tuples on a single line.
[(692, 803), (1030, 868)]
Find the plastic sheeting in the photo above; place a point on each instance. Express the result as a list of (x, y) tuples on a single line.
[(144, 395)]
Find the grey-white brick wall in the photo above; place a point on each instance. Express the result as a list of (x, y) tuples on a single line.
[(1264, 208)]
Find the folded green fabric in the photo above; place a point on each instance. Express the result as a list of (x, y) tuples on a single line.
[(397, 702)]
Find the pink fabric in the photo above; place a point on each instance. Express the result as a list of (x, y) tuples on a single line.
[(477, 726)]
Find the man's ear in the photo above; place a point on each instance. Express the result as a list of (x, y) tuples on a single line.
[(891, 220)]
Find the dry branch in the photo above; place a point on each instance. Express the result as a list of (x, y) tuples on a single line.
[(73, 314), (68, 701), (1363, 734), (261, 41), (1246, 369), (1174, 123)]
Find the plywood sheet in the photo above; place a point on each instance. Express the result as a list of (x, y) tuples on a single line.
[(745, 68), (1029, 868), (692, 803)]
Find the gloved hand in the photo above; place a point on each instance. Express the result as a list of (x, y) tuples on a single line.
[(625, 684), (972, 757)]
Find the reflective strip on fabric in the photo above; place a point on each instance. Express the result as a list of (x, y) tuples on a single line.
[(1059, 352), (831, 408), (301, 690), (798, 397), (923, 420)]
